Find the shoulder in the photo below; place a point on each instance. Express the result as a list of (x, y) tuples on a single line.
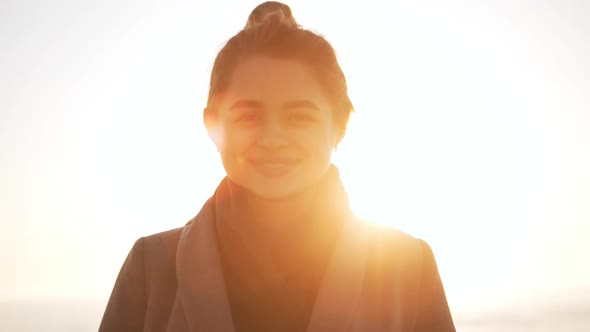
[(148, 273), (389, 237), (391, 246), (166, 238), (146, 245), (154, 253), (157, 256), (160, 246)]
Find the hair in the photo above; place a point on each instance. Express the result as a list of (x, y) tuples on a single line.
[(271, 30)]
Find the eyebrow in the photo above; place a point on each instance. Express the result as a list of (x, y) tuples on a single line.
[(242, 103), (303, 103), (300, 103)]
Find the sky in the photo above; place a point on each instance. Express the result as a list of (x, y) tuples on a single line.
[(471, 131)]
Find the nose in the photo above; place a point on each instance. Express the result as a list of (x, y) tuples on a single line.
[(273, 135)]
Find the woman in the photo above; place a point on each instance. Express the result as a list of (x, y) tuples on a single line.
[(276, 248)]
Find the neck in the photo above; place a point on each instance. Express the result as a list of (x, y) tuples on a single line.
[(279, 211)]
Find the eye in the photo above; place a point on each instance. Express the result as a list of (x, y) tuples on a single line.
[(248, 118), (301, 118)]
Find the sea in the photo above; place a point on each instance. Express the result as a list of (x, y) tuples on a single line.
[(84, 316)]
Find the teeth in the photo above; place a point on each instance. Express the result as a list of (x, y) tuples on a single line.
[(274, 165)]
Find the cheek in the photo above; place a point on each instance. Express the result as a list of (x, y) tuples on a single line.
[(236, 142), (319, 142)]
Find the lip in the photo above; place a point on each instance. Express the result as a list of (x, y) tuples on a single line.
[(274, 167)]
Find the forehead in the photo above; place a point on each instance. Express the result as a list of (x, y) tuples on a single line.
[(272, 80)]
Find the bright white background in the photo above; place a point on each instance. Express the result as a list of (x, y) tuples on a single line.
[(472, 131)]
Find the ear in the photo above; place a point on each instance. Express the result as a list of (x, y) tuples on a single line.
[(338, 136), (212, 123)]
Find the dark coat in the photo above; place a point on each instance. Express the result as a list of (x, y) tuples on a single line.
[(379, 279)]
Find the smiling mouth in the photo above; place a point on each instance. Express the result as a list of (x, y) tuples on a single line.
[(274, 167)]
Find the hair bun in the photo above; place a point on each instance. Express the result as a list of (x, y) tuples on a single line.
[(268, 9)]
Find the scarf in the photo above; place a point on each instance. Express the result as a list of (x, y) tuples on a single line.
[(272, 272), (206, 255)]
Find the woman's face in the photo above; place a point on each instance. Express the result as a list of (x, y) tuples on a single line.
[(274, 127)]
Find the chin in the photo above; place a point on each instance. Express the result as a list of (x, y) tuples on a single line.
[(279, 192), (272, 182), (277, 189)]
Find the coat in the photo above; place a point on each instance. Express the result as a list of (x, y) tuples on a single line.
[(374, 278), (379, 279)]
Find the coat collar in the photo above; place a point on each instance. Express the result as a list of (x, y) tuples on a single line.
[(201, 287), (202, 295)]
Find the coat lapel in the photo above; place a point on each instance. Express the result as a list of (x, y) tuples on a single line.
[(202, 296), (202, 302), (201, 288), (339, 295)]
